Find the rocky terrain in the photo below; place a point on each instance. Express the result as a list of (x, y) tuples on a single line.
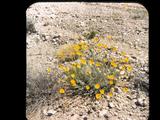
[(50, 25)]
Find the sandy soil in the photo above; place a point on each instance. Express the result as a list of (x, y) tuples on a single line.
[(52, 25)]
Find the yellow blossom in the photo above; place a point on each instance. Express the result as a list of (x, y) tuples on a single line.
[(49, 70), (113, 64), (123, 53), (87, 87), (98, 64), (73, 75), (122, 68), (110, 94), (99, 45), (73, 82), (129, 68), (105, 60), (83, 61), (66, 69), (97, 86), (79, 53), (84, 46), (104, 46), (102, 91), (76, 47), (74, 64), (98, 96), (78, 65), (110, 82), (95, 39), (91, 61), (61, 91), (109, 36), (125, 89), (110, 77), (125, 60), (114, 49), (112, 89)]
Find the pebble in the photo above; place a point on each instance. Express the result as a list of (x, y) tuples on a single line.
[(134, 106), (118, 90), (129, 97), (85, 118), (49, 112), (140, 102), (47, 37), (144, 103), (122, 72), (102, 113), (75, 117), (110, 104)]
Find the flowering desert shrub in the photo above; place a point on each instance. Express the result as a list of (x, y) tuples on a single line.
[(93, 69)]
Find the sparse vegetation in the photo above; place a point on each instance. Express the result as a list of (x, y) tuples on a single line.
[(91, 68)]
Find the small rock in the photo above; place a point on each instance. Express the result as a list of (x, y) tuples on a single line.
[(122, 72), (106, 116), (49, 112), (94, 108), (75, 117), (118, 90), (102, 113), (81, 114), (115, 113), (134, 106), (110, 104), (129, 97), (139, 102), (89, 112), (47, 37), (85, 118), (144, 103)]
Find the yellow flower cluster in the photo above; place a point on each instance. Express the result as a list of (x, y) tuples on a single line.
[(61, 91), (113, 64), (97, 86), (97, 69), (73, 82)]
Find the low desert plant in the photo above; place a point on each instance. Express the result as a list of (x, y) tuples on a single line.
[(94, 68)]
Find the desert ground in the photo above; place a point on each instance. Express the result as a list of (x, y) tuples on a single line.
[(51, 25)]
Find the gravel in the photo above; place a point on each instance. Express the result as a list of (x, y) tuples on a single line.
[(50, 25)]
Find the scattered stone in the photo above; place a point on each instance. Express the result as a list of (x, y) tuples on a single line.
[(122, 72), (102, 113), (49, 112), (85, 118), (134, 106), (129, 97), (75, 117), (57, 36), (110, 105), (144, 103), (118, 90), (47, 37), (106, 116), (72, 114), (89, 112), (140, 102), (81, 114)]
